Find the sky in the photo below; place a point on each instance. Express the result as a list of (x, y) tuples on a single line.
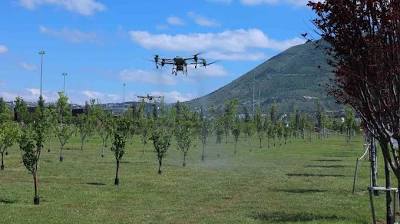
[(102, 44)]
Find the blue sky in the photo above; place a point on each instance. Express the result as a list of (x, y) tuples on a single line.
[(102, 44)]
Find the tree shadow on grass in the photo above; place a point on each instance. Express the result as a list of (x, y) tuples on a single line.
[(301, 191), (313, 175), (285, 217), (7, 201), (324, 166), (96, 184)]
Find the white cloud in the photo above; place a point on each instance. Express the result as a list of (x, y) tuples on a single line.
[(101, 97), (3, 49), (213, 70), (28, 66), (70, 35), (243, 56), (234, 41), (203, 21), (174, 96), (30, 95), (141, 76), (274, 2), (83, 7), (175, 21)]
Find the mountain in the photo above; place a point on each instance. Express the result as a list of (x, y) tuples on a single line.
[(295, 78)]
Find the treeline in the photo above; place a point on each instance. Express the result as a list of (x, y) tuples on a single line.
[(32, 130)]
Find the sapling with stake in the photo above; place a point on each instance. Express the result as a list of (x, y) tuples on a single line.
[(161, 137), (120, 134)]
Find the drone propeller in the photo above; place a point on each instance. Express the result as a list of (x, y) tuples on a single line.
[(205, 64)]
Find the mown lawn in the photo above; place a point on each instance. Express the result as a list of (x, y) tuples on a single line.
[(300, 182)]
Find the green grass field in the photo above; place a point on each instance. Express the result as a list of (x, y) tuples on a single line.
[(300, 182)]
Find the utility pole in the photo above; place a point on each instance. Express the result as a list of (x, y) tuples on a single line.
[(65, 75), (123, 92), (41, 53)]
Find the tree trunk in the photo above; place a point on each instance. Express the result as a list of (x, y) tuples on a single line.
[(2, 161), (82, 141), (143, 148), (116, 182), (61, 153), (260, 142), (184, 159), (203, 153), (36, 199), (389, 209), (159, 165), (235, 151), (373, 160)]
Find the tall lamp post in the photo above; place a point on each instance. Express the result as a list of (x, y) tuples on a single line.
[(65, 75), (41, 53)]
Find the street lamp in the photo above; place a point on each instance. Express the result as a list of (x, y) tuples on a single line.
[(64, 74), (41, 53)]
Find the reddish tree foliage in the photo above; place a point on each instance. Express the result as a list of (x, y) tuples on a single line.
[(364, 38)]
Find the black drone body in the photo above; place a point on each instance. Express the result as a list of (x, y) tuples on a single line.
[(149, 97), (180, 64)]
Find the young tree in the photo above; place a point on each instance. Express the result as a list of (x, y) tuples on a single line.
[(85, 122), (259, 125), (118, 145), (4, 111), (9, 133), (64, 130), (105, 128), (204, 133), (21, 114), (236, 132), (31, 144), (349, 123), (229, 116), (248, 124), (184, 130), (161, 137)]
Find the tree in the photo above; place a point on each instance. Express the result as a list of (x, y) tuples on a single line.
[(161, 137), (21, 114), (9, 133), (105, 128), (31, 144), (184, 130), (259, 125), (118, 146), (64, 130), (229, 116), (204, 133), (4, 111), (349, 123), (85, 122), (364, 46), (248, 124), (236, 132)]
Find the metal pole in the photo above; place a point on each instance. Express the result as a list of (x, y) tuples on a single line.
[(41, 53), (355, 176), (371, 201), (64, 74)]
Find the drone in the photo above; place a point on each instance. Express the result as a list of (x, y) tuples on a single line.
[(180, 64), (149, 97)]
